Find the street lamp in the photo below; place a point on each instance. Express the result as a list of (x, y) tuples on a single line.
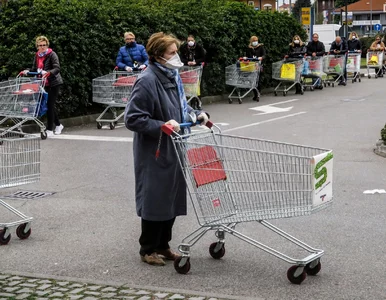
[(371, 16)]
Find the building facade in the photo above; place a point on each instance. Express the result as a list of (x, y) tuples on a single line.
[(261, 4)]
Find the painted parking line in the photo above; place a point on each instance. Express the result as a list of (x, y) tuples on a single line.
[(265, 121)]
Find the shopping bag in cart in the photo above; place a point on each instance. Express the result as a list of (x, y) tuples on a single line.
[(351, 63), (373, 60), (306, 67), (288, 71), (337, 68)]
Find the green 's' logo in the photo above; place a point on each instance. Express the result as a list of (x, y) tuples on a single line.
[(321, 172)]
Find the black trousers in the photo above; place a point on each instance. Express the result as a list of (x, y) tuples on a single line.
[(155, 235), (52, 116)]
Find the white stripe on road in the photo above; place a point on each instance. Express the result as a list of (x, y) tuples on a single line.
[(263, 122), (91, 138)]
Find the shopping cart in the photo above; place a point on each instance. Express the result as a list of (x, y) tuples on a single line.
[(374, 60), (333, 66), (353, 66), (244, 77), (287, 72), (23, 99), (19, 164), (232, 179), (191, 79), (312, 74), (113, 90)]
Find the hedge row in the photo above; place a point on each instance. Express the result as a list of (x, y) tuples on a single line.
[(86, 34)]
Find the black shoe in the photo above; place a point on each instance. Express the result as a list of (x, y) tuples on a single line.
[(342, 83), (256, 97)]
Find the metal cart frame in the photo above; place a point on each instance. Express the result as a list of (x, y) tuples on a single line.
[(277, 74), (313, 69), (233, 179), (333, 67), (191, 80), (372, 64), (353, 66)]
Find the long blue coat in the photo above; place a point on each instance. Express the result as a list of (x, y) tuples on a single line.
[(159, 183), (126, 55)]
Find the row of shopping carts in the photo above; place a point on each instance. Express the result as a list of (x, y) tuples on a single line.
[(113, 90), (22, 99), (315, 72)]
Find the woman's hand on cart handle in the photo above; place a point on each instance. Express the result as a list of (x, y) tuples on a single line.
[(169, 128), (174, 125)]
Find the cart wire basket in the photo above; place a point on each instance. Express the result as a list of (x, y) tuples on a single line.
[(191, 79), (374, 60), (113, 90), (333, 66), (23, 99), (244, 77), (312, 74), (353, 66), (233, 179), (288, 73), (19, 164)]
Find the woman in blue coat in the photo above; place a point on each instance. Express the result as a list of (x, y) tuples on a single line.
[(132, 56), (158, 98)]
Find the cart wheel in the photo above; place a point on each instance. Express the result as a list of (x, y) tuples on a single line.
[(332, 84), (275, 93), (216, 255), (230, 101), (291, 275), (112, 125), (184, 269), (315, 270), (284, 94), (99, 125), (240, 101), (369, 76), (20, 231), (312, 89), (376, 76), (329, 84), (4, 241), (359, 80), (43, 135)]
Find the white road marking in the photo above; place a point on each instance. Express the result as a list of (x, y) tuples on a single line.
[(270, 108), (91, 138), (263, 122)]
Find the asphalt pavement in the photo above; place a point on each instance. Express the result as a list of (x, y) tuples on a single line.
[(85, 234)]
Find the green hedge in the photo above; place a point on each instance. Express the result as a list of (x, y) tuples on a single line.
[(87, 34)]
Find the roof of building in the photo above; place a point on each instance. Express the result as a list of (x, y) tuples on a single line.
[(364, 5)]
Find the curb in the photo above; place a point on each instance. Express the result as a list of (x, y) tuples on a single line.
[(380, 148), (152, 289)]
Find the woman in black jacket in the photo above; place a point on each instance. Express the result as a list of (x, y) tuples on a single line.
[(297, 51), (257, 51), (46, 62), (354, 44)]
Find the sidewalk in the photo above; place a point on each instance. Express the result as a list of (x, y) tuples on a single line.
[(15, 286)]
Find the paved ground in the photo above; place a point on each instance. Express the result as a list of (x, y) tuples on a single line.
[(87, 231)]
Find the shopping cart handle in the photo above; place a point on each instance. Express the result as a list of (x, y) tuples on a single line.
[(169, 129), (33, 73)]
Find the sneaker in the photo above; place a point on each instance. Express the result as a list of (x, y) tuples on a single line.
[(49, 133), (153, 259), (58, 129), (168, 254)]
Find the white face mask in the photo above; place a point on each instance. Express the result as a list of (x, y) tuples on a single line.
[(191, 43), (174, 62), (296, 41), (354, 37), (254, 44)]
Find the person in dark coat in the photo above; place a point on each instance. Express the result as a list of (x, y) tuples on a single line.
[(353, 43), (192, 55), (315, 48), (339, 47), (46, 62), (297, 51), (257, 51), (132, 56), (158, 98)]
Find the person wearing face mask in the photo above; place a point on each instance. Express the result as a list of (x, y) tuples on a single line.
[(132, 56), (256, 51), (297, 51), (354, 46), (378, 45), (158, 98), (339, 47), (315, 48), (193, 55)]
